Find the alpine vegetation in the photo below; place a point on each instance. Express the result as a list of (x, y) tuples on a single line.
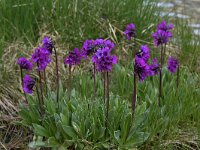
[(161, 38), (61, 119)]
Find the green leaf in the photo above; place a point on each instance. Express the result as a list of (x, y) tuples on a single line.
[(65, 119), (102, 132), (69, 131), (40, 130), (76, 128), (52, 142), (137, 139), (50, 106), (24, 113), (126, 127), (73, 93), (117, 135), (140, 109), (36, 144), (106, 145)]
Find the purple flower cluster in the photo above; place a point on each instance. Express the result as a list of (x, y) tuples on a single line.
[(102, 43), (28, 84), (91, 46), (154, 68), (130, 31), (144, 53), (24, 63), (74, 57), (88, 48), (172, 65), (141, 67), (104, 60), (163, 33), (42, 54), (48, 44), (164, 26), (41, 57)]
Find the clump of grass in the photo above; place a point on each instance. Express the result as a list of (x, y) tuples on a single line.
[(73, 20)]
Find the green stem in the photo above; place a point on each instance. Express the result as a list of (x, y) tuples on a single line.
[(104, 87), (160, 79), (107, 101), (177, 78), (107, 94), (45, 80), (21, 72), (70, 81), (57, 74), (134, 95), (94, 77), (39, 101), (41, 87)]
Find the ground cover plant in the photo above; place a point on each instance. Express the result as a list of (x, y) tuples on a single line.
[(114, 96), (98, 121)]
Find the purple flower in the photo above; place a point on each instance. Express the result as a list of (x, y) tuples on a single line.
[(88, 48), (24, 63), (130, 31), (91, 46), (163, 33), (141, 68), (154, 67), (74, 57), (161, 37), (104, 60), (28, 84), (42, 57), (164, 26), (47, 44), (144, 53), (102, 43), (172, 65)]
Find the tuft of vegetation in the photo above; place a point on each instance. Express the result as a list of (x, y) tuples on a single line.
[(176, 125)]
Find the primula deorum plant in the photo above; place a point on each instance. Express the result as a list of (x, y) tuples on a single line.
[(66, 121), (142, 70), (41, 57), (74, 58), (90, 47), (24, 64), (76, 123), (130, 33), (161, 39), (104, 62), (141, 67)]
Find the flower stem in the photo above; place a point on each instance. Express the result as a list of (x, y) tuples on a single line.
[(107, 101), (135, 82), (21, 72), (160, 79), (104, 87), (41, 88), (45, 80), (177, 78), (94, 77), (57, 74), (39, 101), (164, 53), (107, 94), (134, 95), (70, 81), (135, 47)]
